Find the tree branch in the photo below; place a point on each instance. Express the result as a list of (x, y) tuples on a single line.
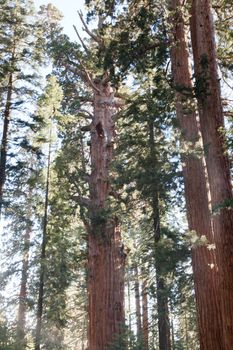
[(96, 38), (81, 40), (89, 78), (86, 113), (86, 128), (83, 201)]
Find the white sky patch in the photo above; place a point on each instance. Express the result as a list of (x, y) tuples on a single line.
[(69, 10)]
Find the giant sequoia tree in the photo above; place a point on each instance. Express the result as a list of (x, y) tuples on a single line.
[(105, 253), (217, 162), (106, 257), (204, 258)]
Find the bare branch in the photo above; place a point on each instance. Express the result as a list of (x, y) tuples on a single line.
[(96, 38), (117, 196), (85, 100), (82, 201), (89, 79), (86, 113), (105, 78), (78, 72), (84, 75), (81, 40), (86, 128), (228, 114)]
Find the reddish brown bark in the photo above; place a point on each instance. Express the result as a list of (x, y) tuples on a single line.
[(196, 194), (218, 167), (105, 251)]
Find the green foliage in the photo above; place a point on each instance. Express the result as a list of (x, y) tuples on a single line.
[(202, 80)]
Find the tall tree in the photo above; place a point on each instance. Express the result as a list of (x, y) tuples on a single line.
[(212, 128), (105, 254), (48, 107), (23, 294), (203, 258), (162, 297), (21, 47)]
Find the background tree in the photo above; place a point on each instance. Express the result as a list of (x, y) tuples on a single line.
[(21, 54)]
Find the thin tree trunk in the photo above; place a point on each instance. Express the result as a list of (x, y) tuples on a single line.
[(21, 321), (43, 252), (106, 257), (4, 142), (129, 311), (186, 329), (196, 193), (137, 304), (84, 333), (172, 326), (163, 313), (217, 162), (145, 323), (162, 299)]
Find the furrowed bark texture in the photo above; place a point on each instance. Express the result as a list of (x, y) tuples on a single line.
[(206, 277), (105, 253), (218, 167)]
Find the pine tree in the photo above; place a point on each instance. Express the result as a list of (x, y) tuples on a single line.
[(48, 107), (20, 53)]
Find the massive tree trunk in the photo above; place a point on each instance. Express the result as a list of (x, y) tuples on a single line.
[(196, 193), (105, 251), (4, 142), (218, 167), (162, 299)]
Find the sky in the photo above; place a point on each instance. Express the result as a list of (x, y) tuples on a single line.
[(69, 10)]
